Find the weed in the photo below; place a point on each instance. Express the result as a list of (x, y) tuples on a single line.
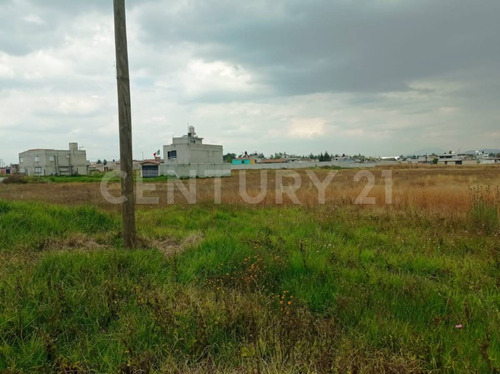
[(15, 179), (483, 211)]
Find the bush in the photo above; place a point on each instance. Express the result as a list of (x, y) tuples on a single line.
[(483, 211), (16, 178), (4, 207)]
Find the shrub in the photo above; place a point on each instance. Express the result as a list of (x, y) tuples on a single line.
[(16, 178), (4, 207), (483, 211)]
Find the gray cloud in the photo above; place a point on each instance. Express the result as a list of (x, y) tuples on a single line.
[(371, 76), (320, 46)]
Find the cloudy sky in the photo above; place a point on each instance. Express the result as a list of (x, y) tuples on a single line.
[(377, 77)]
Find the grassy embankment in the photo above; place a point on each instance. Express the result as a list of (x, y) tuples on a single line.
[(242, 288)]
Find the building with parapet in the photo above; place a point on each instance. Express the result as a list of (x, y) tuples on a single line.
[(187, 156), (38, 162)]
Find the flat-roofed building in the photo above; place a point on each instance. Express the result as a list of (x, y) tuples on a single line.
[(187, 156), (450, 159), (150, 168), (38, 162)]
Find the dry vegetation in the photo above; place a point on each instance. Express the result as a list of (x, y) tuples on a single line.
[(435, 189)]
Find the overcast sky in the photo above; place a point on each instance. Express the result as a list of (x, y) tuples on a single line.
[(377, 77)]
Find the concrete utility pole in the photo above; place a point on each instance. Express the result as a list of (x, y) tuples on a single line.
[(125, 124)]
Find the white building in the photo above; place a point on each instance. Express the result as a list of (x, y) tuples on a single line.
[(187, 156), (450, 159), (39, 162)]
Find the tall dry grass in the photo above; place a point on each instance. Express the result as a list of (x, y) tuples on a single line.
[(443, 190)]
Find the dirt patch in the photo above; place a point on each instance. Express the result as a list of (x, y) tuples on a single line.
[(74, 241), (171, 246)]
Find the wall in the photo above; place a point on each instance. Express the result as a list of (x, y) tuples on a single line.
[(309, 164), (193, 154), (52, 161), (196, 170)]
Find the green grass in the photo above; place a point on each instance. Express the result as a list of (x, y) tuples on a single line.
[(92, 178), (73, 178), (35, 226), (20, 179), (283, 289)]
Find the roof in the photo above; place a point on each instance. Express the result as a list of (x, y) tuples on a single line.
[(150, 162), (273, 161), (52, 150)]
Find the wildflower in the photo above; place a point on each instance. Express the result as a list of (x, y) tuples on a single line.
[(459, 326)]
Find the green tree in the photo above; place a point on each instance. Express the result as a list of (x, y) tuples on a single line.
[(228, 157)]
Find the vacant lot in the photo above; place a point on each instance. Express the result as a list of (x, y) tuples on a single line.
[(221, 284)]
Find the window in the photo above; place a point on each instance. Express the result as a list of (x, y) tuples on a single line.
[(21, 160), (193, 141), (172, 155), (52, 158), (38, 170), (37, 158)]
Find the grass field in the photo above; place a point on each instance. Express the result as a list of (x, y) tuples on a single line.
[(92, 178), (407, 287)]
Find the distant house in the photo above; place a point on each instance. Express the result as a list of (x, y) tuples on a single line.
[(273, 161), (488, 161), (111, 166), (389, 158), (243, 161), (14, 168), (187, 156), (150, 168), (105, 166), (450, 159), (40, 162)]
